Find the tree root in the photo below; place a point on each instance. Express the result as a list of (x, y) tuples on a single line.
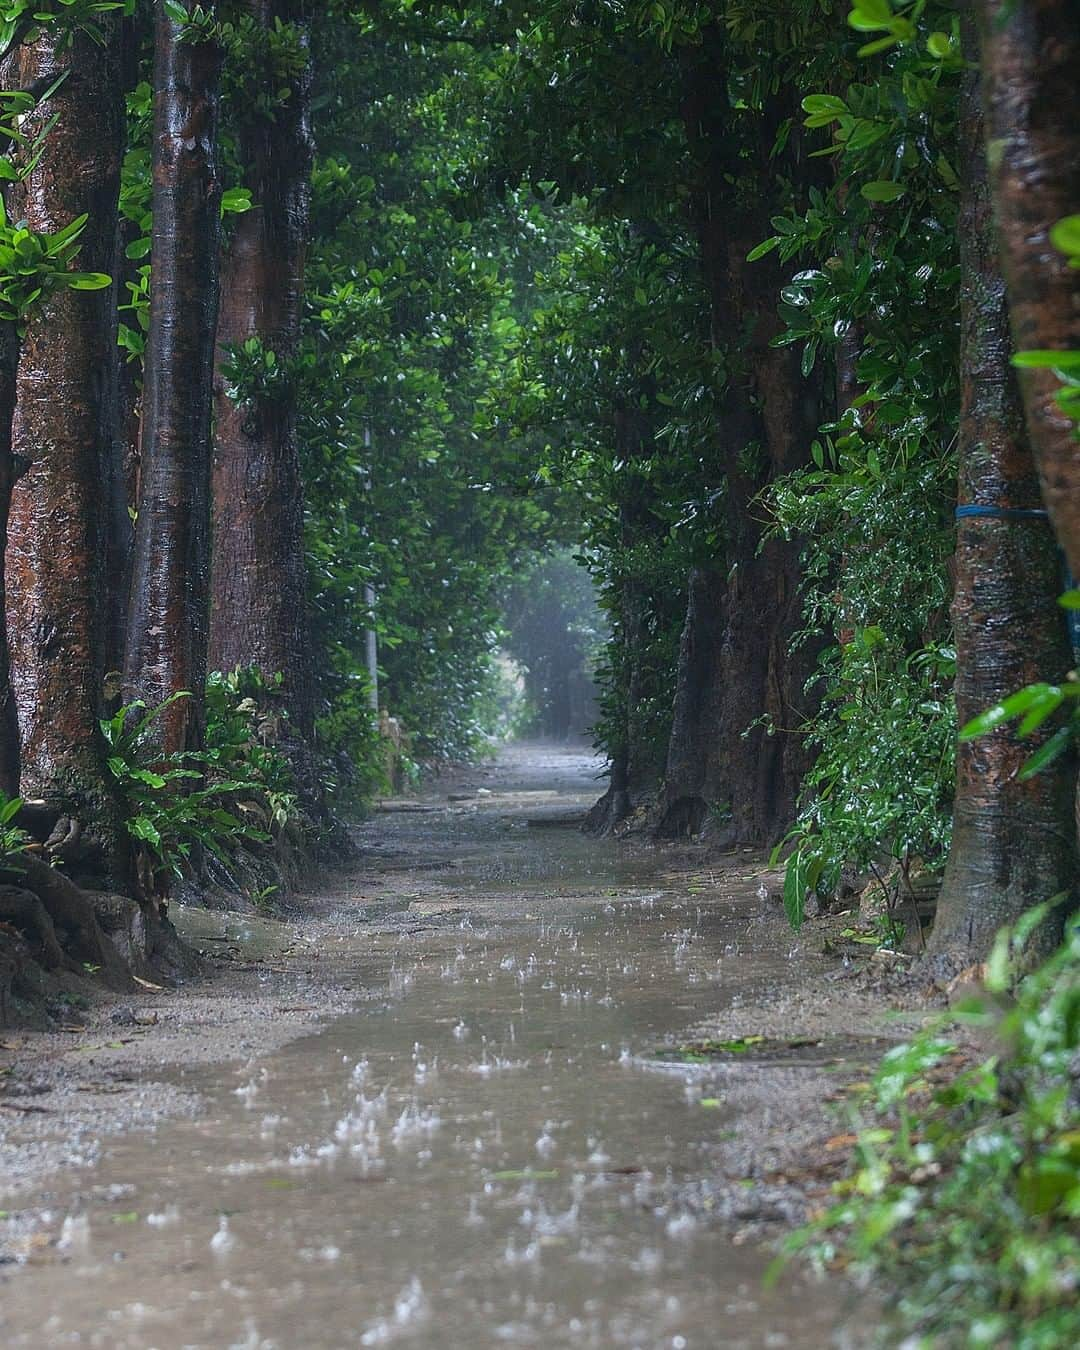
[(24, 911), (64, 920)]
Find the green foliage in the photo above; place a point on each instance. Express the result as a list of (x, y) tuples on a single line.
[(22, 20), (13, 839), (416, 480), (883, 778), (964, 1192), (33, 265), (879, 297), (220, 799), (244, 726)]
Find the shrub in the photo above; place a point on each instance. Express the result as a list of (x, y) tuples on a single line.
[(201, 799), (964, 1196)]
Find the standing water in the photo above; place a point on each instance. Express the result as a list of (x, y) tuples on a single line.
[(482, 1155)]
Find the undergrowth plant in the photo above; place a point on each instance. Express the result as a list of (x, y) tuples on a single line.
[(964, 1190), (228, 796), (13, 839), (244, 723), (880, 787)]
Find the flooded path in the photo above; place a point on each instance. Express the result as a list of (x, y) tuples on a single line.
[(486, 1152)]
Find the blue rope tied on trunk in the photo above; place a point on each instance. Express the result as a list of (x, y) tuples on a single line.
[(1072, 616), (1003, 512)]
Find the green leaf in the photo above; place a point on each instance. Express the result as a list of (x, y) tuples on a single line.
[(1014, 706), (1054, 748), (882, 190), (939, 45), (1043, 359), (822, 103), (868, 15), (87, 281), (235, 201), (1065, 235), (142, 827), (766, 246), (795, 887), (879, 45)]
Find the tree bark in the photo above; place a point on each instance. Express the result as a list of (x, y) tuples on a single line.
[(1014, 842), (9, 722), (167, 621), (635, 766), (62, 426), (1030, 60), (690, 780), (258, 609), (126, 392), (751, 755)]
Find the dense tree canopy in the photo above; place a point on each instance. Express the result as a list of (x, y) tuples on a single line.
[(385, 310)]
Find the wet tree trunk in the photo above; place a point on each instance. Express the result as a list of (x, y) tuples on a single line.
[(635, 766), (689, 787), (1014, 842), (63, 427), (122, 488), (750, 758), (763, 669), (120, 469), (167, 624), (1030, 60), (258, 611), (9, 723)]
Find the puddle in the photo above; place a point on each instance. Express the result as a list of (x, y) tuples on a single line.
[(479, 1157)]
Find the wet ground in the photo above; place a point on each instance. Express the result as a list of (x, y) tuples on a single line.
[(500, 1135)]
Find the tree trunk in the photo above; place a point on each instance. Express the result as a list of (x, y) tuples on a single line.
[(635, 766), (167, 623), (763, 671), (62, 426), (258, 610), (1014, 842), (125, 375), (751, 755), (690, 781), (9, 722), (122, 484), (1031, 88)]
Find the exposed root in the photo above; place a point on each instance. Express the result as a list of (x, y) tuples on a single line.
[(74, 920), (25, 913)]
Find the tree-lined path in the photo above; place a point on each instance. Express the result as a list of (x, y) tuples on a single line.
[(386, 382)]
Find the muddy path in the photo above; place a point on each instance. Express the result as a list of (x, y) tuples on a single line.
[(461, 1104)]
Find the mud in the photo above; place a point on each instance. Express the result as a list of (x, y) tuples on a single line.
[(457, 1104)]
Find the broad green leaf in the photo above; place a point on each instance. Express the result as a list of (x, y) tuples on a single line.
[(882, 190), (87, 281), (870, 14)]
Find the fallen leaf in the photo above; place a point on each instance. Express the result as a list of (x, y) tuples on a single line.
[(840, 1141)]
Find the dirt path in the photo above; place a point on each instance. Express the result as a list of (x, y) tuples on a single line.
[(458, 1105)]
